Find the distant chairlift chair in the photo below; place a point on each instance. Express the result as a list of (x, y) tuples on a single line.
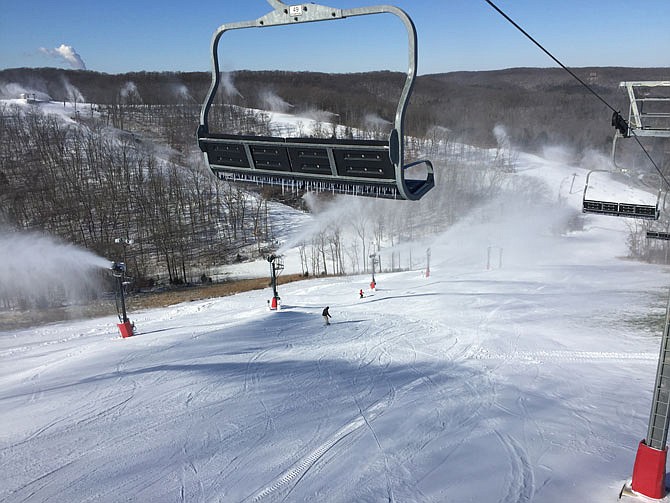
[(615, 208), (359, 167), (653, 122)]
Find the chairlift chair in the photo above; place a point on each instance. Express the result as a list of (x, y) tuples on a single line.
[(648, 116), (359, 167), (618, 208), (664, 236)]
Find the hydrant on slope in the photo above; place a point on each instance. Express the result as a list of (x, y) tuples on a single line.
[(276, 266), (126, 327)]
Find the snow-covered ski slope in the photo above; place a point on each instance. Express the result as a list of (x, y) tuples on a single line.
[(529, 381)]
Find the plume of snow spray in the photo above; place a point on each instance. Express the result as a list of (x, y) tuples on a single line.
[(320, 115), (327, 214), (72, 93), (559, 153), (594, 160), (502, 137), (182, 93), (274, 102), (12, 90), (375, 121), (35, 266), (229, 88), (129, 92)]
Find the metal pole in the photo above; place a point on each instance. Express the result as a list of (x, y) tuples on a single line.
[(427, 262), (373, 260), (274, 267), (657, 433), (274, 280), (123, 299)]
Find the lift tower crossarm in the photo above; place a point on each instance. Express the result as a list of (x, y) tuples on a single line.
[(636, 119)]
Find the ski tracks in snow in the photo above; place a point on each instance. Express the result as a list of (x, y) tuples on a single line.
[(520, 480), (387, 371), (537, 357)]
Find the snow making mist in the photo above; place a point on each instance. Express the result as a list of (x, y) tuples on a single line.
[(595, 160), (375, 121), (72, 93), (38, 270), (182, 93), (327, 214), (522, 226), (502, 138), (12, 90), (228, 84), (130, 94), (320, 115), (273, 102)]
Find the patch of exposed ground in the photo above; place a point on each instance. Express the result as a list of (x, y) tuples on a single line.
[(16, 319)]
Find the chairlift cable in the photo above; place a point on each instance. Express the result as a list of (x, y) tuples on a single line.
[(558, 62), (550, 55), (660, 173)]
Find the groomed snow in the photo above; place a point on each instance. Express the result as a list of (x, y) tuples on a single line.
[(527, 381)]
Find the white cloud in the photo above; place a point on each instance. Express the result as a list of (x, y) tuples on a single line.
[(66, 53)]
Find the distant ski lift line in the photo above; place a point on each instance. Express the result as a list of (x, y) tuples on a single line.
[(371, 168)]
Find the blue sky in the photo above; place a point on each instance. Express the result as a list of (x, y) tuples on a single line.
[(148, 35)]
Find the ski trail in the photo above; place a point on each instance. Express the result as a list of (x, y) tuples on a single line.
[(552, 356), (292, 475), (521, 482), (300, 468)]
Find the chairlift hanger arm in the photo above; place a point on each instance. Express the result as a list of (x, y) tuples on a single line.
[(305, 13), (360, 167)]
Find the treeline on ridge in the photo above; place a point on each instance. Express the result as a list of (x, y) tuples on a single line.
[(537, 106)]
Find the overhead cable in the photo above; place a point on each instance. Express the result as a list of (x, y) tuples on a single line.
[(617, 115)]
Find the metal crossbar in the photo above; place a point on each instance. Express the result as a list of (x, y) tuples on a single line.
[(655, 122)]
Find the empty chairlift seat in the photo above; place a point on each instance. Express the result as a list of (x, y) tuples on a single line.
[(617, 208), (621, 209), (359, 167), (648, 116)]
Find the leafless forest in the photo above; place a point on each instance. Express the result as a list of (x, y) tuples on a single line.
[(127, 166)]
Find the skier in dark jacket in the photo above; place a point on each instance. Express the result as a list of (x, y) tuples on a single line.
[(326, 315)]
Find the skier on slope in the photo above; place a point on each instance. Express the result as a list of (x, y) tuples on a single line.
[(326, 315)]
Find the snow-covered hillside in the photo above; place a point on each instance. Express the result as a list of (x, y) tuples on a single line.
[(527, 380)]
